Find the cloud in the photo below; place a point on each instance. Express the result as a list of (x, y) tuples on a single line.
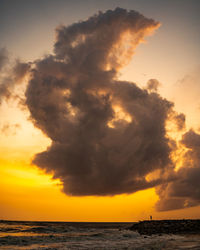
[(184, 191), (153, 84), (107, 135), (11, 74), (3, 58), (10, 129), (180, 121)]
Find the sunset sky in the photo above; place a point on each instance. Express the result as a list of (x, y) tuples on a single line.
[(99, 121)]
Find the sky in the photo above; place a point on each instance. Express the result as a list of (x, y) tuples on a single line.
[(99, 114)]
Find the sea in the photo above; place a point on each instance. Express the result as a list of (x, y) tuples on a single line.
[(82, 235)]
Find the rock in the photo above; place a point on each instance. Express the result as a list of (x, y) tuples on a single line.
[(166, 226)]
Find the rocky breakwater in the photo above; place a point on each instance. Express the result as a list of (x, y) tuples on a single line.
[(167, 227)]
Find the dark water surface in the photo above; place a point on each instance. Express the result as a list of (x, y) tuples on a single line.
[(75, 235)]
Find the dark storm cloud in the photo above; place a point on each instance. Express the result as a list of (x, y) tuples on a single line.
[(107, 135), (184, 191)]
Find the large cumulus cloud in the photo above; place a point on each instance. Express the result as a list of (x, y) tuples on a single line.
[(107, 135)]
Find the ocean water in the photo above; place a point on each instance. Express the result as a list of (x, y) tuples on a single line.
[(74, 235)]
